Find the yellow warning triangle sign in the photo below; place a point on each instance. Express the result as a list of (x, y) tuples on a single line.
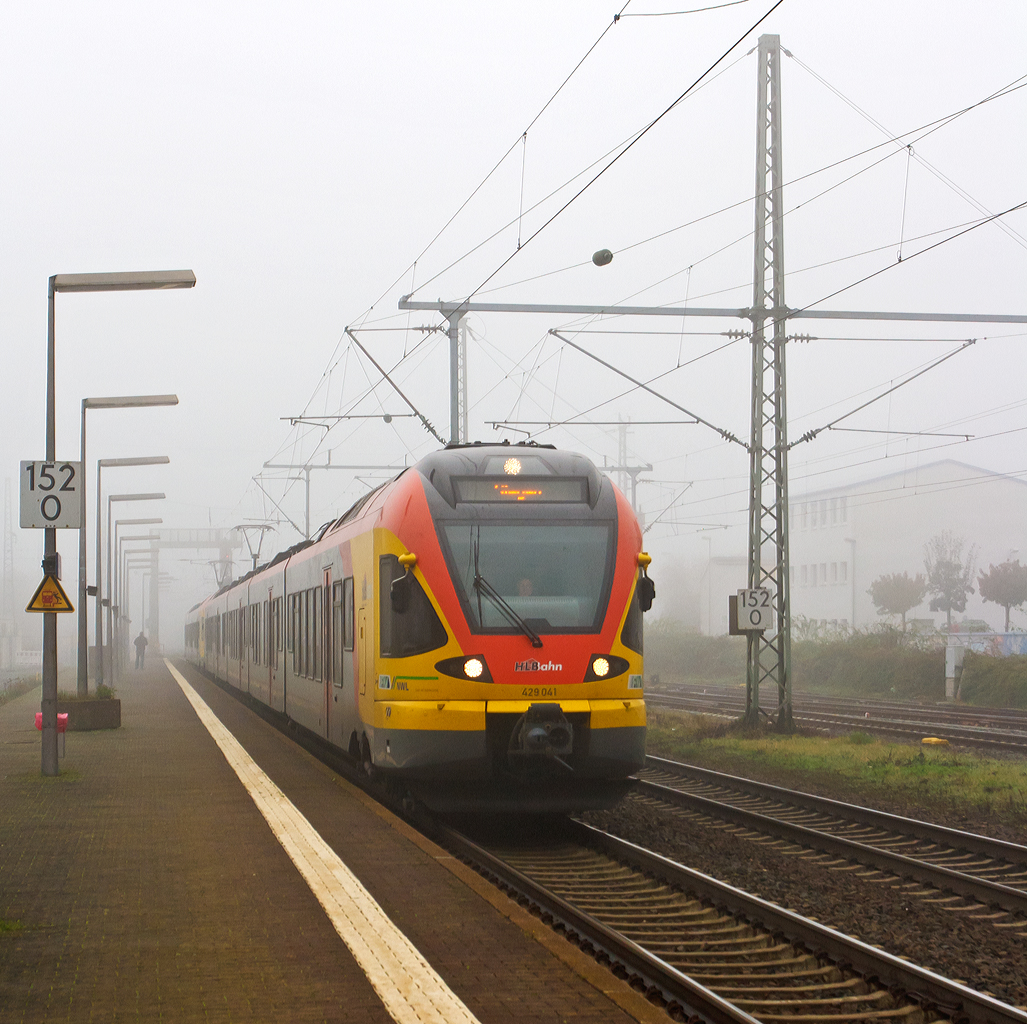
[(49, 597)]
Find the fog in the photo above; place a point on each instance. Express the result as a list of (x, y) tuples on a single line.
[(301, 159)]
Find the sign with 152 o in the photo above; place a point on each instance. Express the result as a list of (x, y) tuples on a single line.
[(50, 495)]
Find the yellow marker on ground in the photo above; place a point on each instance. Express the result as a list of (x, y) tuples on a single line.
[(935, 741)]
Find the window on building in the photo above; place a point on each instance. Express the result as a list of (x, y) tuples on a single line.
[(834, 572), (804, 575), (843, 509), (823, 574), (805, 515), (834, 511), (843, 571), (823, 512)]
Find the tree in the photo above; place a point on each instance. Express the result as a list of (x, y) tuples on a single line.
[(1005, 584), (898, 593), (949, 575)]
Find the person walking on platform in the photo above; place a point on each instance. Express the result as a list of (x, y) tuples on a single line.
[(140, 642)]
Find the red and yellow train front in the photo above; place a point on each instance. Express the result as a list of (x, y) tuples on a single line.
[(511, 586)]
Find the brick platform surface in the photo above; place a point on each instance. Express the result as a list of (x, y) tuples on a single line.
[(143, 884)]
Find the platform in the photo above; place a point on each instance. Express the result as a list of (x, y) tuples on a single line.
[(144, 883)]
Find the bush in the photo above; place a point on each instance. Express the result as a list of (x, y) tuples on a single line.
[(677, 654), (995, 682), (882, 662)]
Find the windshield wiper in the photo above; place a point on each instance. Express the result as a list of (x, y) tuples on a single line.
[(482, 586)]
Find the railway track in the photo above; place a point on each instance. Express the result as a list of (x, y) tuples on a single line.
[(1014, 719), (708, 949), (986, 878), (1007, 740), (705, 949)]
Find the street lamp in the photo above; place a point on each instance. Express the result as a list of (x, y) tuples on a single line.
[(154, 460), (114, 638), (131, 281), (114, 402), (130, 562)]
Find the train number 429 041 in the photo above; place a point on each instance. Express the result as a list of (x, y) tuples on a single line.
[(538, 691)]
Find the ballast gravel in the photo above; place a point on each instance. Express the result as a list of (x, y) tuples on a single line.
[(953, 944)]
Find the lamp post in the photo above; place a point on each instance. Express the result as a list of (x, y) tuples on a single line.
[(155, 460), (131, 281), (113, 630), (114, 402), (132, 564), (116, 582)]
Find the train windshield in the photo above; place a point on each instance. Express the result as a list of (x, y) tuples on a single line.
[(554, 576)]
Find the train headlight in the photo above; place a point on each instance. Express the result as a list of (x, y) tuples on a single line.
[(466, 667), (512, 467), (605, 666)]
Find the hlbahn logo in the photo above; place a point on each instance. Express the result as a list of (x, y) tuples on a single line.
[(535, 666)]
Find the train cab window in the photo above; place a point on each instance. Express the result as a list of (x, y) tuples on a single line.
[(347, 617), (555, 575), (417, 628), (631, 634)]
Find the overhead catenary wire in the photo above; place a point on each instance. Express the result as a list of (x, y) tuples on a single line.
[(627, 148), (725, 434), (424, 420)]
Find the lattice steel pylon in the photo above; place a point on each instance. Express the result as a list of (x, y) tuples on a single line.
[(769, 655)]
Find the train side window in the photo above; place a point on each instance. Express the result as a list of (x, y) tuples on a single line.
[(415, 630), (631, 634), (269, 636), (278, 622), (347, 614)]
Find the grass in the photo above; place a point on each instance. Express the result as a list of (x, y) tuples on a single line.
[(856, 768), (101, 693), (9, 926), (16, 687)]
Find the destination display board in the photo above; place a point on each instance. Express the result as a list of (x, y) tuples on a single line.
[(510, 490)]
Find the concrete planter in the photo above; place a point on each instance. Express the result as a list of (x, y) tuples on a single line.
[(85, 715)]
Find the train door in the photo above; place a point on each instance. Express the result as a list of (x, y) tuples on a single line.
[(274, 642), (241, 645), (364, 642), (342, 703), (325, 627)]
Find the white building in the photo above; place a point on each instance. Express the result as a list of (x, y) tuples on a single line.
[(844, 538)]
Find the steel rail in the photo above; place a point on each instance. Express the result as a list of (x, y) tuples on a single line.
[(968, 737), (969, 841), (673, 985), (957, 1001), (946, 879)]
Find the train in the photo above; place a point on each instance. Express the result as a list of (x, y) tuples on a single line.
[(470, 632)]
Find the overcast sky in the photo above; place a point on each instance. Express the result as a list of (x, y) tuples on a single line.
[(300, 157)]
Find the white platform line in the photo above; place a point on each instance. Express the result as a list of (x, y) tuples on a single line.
[(411, 990)]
